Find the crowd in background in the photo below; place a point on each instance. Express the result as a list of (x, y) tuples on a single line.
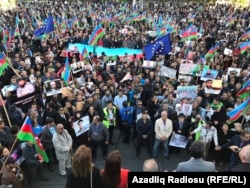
[(145, 107)]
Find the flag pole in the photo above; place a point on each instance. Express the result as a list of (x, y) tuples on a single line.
[(8, 156), (4, 107), (11, 66)]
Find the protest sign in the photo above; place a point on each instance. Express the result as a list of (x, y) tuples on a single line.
[(234, 71), (148, 64), (178, 140), (186, 92), (81, 126), (168, 72), (52, 87)]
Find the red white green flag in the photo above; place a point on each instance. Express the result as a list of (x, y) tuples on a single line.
[(96, 35), (27, 134), (84, 54), (3, 63)]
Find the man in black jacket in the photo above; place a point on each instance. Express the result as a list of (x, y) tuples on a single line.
[(235, 144), (180, 126), (144, 129)]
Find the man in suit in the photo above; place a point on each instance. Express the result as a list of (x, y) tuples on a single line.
[(62, 142), (64, 119), (46, 138), (196, 163), (180, 126)]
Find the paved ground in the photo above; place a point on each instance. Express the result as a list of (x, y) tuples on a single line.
[(129, 160)]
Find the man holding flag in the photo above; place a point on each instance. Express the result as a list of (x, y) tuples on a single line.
[(33, 151)]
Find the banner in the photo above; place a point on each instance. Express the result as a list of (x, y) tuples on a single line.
[(168, 72), (108, 51), (187, 68), (186, 92)]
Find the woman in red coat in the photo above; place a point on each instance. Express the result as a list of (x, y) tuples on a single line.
[(113, 175)]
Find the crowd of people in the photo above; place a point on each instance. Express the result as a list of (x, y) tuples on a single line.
[(145, 106)]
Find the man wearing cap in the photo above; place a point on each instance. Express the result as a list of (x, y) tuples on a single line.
[(46, 139)]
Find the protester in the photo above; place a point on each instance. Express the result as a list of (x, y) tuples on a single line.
[(244, 155), (163, 129), (62, 142), (83, 172), (98, 135), (47, 134), (113, 175), (196, 163), (150, 165), (34, 163), (12, 174), (144, 131), (172, 73)]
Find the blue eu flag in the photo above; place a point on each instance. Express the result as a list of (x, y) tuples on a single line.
[(161, 46), (47, 28)]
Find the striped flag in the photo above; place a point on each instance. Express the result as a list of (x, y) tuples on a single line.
[(96, 35), (189, 33), (27, 134), (238, 111), (245, 90), (16, 33), (3, 63), (66, 72), (244, 46), (84, 54), (245, 36), (212, 51)]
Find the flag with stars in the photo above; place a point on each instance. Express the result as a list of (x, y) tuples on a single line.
[(161, 46)]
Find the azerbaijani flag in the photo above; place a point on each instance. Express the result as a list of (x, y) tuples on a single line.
[(239, 111), (96, 35), (244, 46), (16, 33), (245, 90), (84, 54), (26, 133), (3, 63), (189, 33), (212, 51), (245, 36), (66, 72)]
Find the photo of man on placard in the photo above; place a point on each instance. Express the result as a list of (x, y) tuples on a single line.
[(81, 126), (52, 87)]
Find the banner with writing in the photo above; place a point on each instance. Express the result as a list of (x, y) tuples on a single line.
[(168, 72), (186, 92)]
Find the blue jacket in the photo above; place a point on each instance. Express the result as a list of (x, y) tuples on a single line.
[(127, 114)]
